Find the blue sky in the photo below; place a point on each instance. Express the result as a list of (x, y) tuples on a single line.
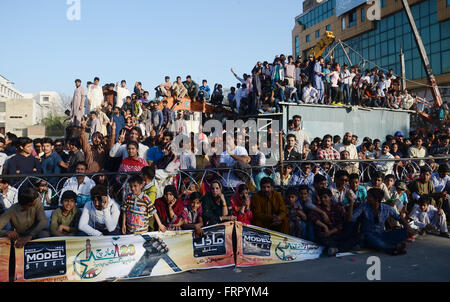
[(139, 40)]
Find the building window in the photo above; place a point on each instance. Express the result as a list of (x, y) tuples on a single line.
[(448, 2), (307, 38), (318, 33), (45, 99), (318, 14), (383, 3), (328, 27), (363, 15), (352, 18), (297, 46), (343, 23)]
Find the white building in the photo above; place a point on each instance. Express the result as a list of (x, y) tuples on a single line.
[(19, 111), (49, 102), (7, 91)]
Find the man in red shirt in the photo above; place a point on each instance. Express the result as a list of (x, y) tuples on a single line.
[(327, 152)]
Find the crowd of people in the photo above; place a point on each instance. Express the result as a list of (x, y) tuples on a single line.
[(321, 203), (316, 81), (152, 188), (309, 81)]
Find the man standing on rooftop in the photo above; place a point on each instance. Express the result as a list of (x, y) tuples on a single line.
[(77, 104), (95, 95), (318, 81)]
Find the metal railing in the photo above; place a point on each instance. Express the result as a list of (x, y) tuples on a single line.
[(405, 169)]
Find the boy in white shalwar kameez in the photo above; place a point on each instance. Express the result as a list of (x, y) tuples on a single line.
[(428, 218)]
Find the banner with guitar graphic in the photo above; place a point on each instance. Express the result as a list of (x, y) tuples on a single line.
[(123, 257), (258, 246)]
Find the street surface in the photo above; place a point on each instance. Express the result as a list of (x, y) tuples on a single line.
[(428, 259)]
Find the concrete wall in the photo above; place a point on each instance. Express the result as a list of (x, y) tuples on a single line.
[(374, 123), (36, 131), (20, 114)]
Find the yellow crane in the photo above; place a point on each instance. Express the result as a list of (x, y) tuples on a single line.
[(320, 47)]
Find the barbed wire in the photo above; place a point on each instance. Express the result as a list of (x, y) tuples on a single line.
[(404, 169)]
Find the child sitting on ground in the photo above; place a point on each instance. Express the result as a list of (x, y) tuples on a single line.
[(399, 199), (429, 219), (338, 234), (64, 220), (192, 214), (294, 212)]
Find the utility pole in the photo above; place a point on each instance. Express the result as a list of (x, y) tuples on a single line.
[(402, 61), (423, 55)]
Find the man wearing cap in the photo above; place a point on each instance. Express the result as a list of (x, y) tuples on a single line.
[(399, 198), (398, 135), (77, 104)]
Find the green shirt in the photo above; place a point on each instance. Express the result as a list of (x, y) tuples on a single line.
[(58, 219), (151, 191), (25, 223)]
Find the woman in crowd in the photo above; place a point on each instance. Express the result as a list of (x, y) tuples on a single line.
[(169, 160), (170, 209), (133, 163), (216, 207), (240, 204)]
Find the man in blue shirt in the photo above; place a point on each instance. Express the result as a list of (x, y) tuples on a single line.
[(374, 215), (154, 154), (157, 117), (119, 120), (204, 91), (51, 162), (303, 177), (317, 81), (360, 191)]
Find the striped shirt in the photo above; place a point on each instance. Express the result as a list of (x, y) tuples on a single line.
[(138, 211)]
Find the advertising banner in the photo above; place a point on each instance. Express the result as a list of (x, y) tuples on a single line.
[(124, 257), (258, 246), (5, 247), (343, 6)]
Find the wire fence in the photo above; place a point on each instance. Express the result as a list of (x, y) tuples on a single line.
[(404, 169)]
